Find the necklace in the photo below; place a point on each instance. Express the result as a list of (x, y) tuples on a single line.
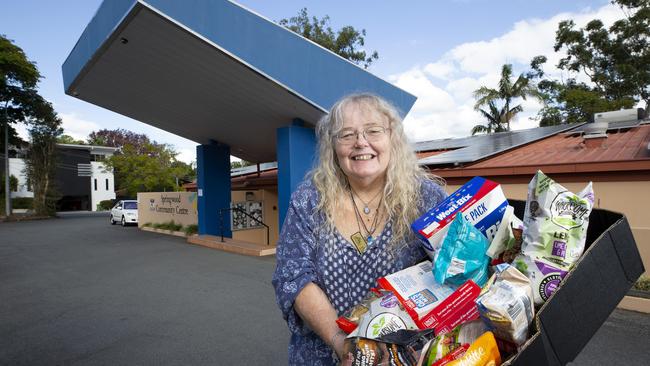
[(366, 208), (359, 240)]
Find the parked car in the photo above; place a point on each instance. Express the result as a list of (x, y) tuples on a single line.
[(125, 212)]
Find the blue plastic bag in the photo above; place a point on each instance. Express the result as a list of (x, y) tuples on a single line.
[(462, 255)]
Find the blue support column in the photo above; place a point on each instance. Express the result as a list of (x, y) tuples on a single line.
[(213, 186), (296, 148)]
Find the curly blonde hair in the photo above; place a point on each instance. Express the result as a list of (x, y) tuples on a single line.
[(403, 175)]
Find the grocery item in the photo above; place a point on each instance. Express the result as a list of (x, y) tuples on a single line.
[(483, 352), (401, 348), (507, 305), (455, 342), (429, 303), (349, 321), (555, 222), (508, 237), (480, 200), (462, 255), (544, 278), (385, 315)]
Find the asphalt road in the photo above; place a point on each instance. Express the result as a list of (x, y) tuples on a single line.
[(78, 291)]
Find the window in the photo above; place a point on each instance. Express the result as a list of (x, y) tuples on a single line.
[(107, 184), (95, 183)]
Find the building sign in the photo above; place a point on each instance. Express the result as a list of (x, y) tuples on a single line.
[(241, 221), (160, 207)]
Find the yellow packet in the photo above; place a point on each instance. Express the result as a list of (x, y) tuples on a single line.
[(483, 352)]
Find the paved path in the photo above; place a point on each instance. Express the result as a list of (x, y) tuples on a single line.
[(78, 291)]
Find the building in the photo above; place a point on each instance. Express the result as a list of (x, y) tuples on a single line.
[(81, 178)]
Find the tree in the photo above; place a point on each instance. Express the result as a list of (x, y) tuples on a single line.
[(41, 158), (506, 93), (347, 42), (142, 165), (18, 97), (495, 118), (616, 60), (67, 139)]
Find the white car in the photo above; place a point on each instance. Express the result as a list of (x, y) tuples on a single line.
[(125, 212)]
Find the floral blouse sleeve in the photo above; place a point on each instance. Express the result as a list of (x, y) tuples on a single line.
[(295, 254)]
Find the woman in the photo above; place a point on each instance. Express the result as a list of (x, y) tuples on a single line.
[(348, 224)]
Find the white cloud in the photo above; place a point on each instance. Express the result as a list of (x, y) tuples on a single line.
[(444, 86), (77, 127), (186, 155)]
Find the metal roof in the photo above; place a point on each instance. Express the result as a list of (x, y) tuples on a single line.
[(474, 148), (211, 70)]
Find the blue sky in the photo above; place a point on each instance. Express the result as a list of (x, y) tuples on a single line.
[(438, 50)]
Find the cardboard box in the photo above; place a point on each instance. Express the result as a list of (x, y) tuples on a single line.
[(588, 295)]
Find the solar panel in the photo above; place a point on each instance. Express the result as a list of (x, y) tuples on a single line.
[(474, 148)]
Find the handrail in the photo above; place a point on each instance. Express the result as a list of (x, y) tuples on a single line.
[(221, 211)]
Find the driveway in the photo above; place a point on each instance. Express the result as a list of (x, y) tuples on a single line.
[(77, 290)]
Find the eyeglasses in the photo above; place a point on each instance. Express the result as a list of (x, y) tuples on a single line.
[(371, 134)]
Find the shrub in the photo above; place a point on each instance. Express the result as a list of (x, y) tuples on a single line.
[(105, 205), (22, 203), (191, 229), (169, 225), (147, 224), (643, 284)]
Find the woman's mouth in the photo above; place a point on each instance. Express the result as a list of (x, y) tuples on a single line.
[(363, 157)]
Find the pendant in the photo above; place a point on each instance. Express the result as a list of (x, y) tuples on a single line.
[(359, 242), (366, 210)]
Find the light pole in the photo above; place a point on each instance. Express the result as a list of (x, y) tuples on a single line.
[(7, 193)]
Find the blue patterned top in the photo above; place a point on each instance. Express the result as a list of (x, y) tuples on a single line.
[(307, 252)]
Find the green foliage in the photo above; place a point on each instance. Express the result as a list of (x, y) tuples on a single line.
[(169, 225), (147, 224), (616, 61), (642, 284), (22, 203), (505, 94), (67, 139), (13, 183), (240, 164), (347, 42), (41, 158), (142, 165), (105, 205), (191, 229)]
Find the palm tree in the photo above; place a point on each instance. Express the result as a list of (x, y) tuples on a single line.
[(506, 92), (495, 118)]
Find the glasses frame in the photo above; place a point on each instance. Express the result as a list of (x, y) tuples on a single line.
[(356, 134)]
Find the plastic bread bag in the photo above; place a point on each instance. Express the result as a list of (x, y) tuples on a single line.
[(555, 222), (483, 352), (385, 315), (507, 238), (544, 278), (401, 348), (455, 342), (462, 255), (507, 305)]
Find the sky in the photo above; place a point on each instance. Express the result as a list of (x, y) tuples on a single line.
[(440, 51)]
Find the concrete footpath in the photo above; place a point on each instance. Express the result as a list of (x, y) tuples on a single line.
[(78, 291)]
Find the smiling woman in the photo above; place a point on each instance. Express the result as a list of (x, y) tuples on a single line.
[(348, 223)]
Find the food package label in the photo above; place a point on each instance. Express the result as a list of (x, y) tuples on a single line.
[(481, 201), (384, 316), (555, 222), (429, 303), (544, 278), (483, 352)]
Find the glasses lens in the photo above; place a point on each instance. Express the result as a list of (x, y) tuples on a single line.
[(374, 133)]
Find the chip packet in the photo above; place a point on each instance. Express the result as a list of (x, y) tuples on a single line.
[(483, 352), (555, 222), (462, 255), (349, 321), (507, 239), (507, 305), (453, 343), (401, 348)]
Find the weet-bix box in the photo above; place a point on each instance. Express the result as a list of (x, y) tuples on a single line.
[(480, 200)]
